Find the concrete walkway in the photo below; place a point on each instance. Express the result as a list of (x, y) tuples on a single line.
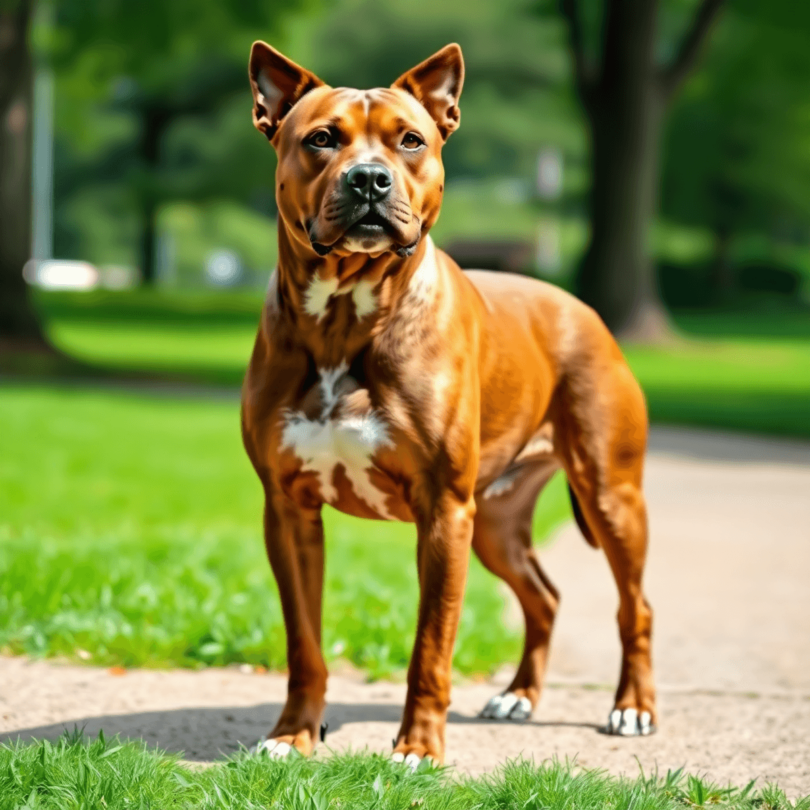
[(728, 577), (728, 573)]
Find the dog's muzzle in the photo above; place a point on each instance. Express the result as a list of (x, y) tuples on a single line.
[(369, 210)]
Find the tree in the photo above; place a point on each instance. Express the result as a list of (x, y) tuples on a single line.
[(160, 62), (625, 93), (735, 156), (202, 150), (19, 327)]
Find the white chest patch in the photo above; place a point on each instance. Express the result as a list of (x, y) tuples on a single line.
[(365, 302), (318, 294), (321, 291), (349, 440)]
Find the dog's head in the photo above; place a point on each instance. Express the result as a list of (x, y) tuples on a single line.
[(359, 171)]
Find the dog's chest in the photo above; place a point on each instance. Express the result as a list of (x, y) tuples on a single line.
[(335, 434)]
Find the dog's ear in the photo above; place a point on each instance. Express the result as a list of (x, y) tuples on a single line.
[(277, 84), (436, 84)]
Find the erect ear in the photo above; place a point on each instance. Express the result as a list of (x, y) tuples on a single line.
[(436, 83), (277, 84)]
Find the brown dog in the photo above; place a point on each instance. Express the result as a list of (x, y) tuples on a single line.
[(390, 385)]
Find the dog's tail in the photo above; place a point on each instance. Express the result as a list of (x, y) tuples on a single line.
[(580, 518)]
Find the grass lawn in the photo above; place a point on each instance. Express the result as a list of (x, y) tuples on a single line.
[(109, 774), (130, 535), (130, 523), (204, 337), (744, 370), (760, 385), (738, 370)]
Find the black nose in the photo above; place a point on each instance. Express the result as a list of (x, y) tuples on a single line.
[(371, 181)]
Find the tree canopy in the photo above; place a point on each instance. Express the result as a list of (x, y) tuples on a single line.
[(152, 106)]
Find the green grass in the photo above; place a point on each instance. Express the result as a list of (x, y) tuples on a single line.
[(130, 535), (110, 774), (129, 524), (200, 336), (748, 384), (743, 370)]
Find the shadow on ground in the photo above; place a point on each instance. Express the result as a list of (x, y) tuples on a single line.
[(205, 734)]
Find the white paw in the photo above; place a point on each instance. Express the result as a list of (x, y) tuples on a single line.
[(508, 706), (411, 760), (273, 748), (629, 723)]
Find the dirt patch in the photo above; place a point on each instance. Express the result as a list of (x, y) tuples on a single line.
[(728, 577)]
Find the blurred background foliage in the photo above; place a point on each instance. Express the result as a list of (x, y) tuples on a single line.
[(679, 131), (210, 169), (736, 158), (700, 200), (156, 164)]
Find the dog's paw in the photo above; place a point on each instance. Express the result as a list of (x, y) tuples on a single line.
[(411, 760), (629, 723), (275, 749), (508, 706)]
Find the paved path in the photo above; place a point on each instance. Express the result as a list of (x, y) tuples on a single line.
[(729, 578), (728, 573)]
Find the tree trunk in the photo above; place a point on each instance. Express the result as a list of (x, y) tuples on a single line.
[(19, 326), (625, 111), (722, 273), (155, 122), (148, 241)]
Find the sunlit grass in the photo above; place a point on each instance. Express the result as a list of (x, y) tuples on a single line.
[(218, 352), (130, 534), (202, 336), (112, 774), (749, 384)]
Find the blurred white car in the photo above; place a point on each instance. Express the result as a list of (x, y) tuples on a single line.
[(67, 274), (61, 274)]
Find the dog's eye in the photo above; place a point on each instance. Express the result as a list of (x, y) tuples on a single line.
[(321, 139), (412, 141)]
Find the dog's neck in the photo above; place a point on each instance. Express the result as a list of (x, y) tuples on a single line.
[(335, 303)]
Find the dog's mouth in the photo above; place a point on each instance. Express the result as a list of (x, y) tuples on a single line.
[(372, 231), (370, 224)]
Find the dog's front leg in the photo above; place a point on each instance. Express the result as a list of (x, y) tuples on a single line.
[(294, 542), (443, 554)]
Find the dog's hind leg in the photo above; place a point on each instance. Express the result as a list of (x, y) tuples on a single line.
[(602, 442), (502, 539)]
